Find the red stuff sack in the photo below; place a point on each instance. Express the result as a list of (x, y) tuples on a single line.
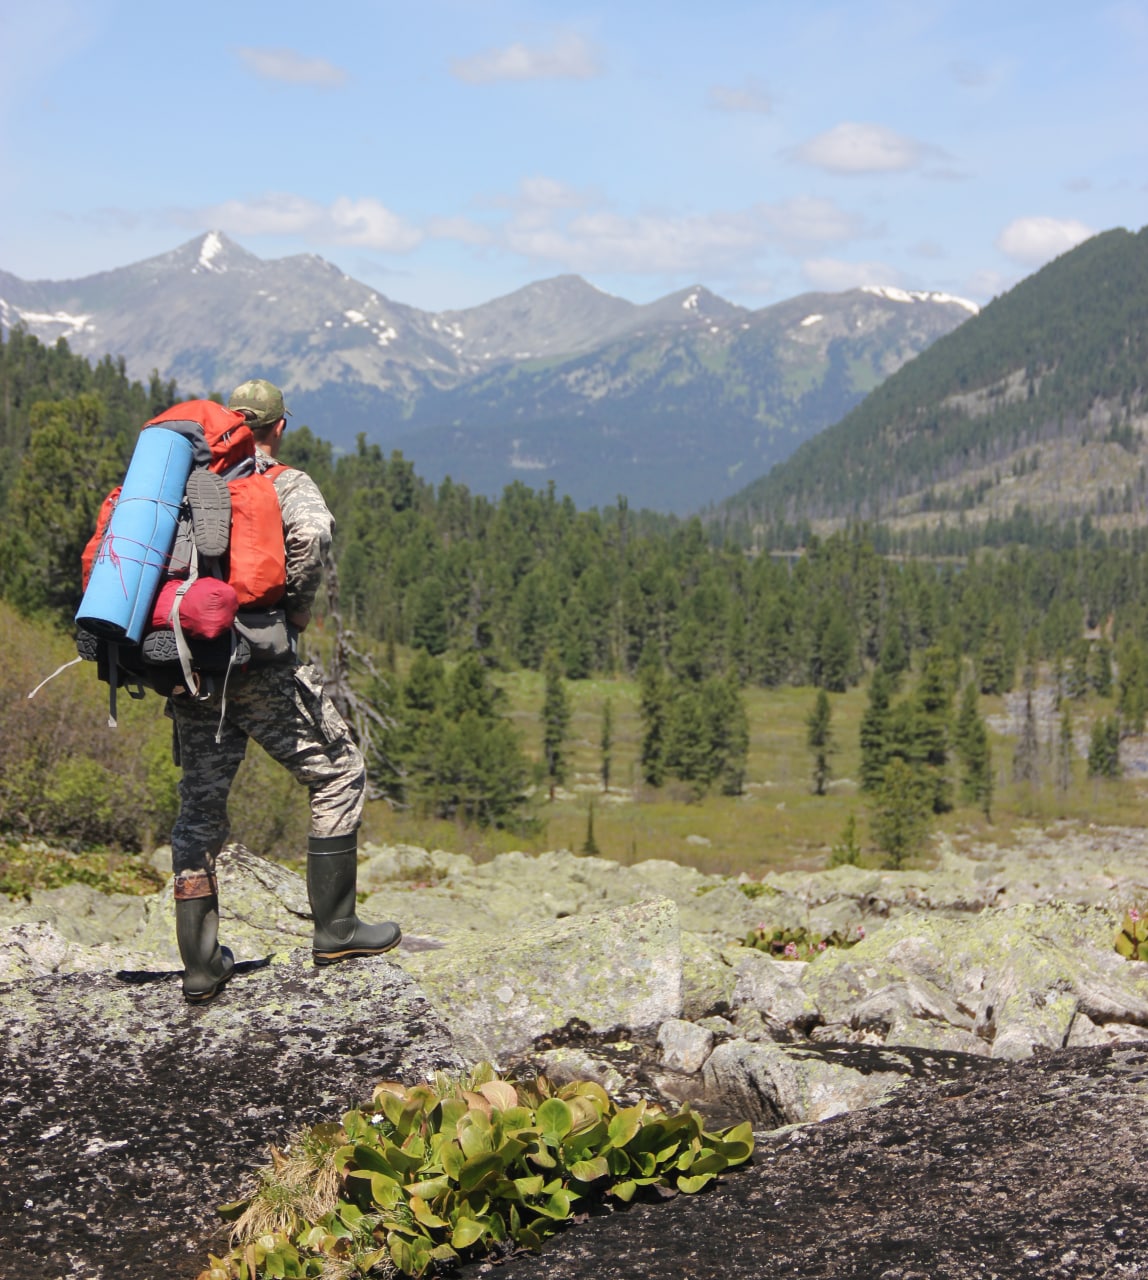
[(206, 609)]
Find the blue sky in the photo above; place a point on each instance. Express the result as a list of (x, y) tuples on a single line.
[(453, 151)]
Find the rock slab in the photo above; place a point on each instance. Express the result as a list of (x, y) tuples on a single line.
[(128, 1115), (1027, 1170), (620, 968)]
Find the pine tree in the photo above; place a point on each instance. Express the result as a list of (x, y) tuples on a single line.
[(993, 669), (1100, 669), (932, 701), (688, 755), (901, 812), (894, 658), (1132, 699), (1026, 757), (971, 740), (607, 742), (1104, 749), (847, 851), (1065, 750), (555, 721), (727, 733), (590, 845), (875, 733), (653, 708), (819, 739)]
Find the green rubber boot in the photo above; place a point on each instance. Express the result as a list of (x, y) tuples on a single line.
[(206, 965), (332, 874)]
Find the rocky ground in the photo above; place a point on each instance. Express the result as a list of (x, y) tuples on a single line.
[(999, 1170), (980, 1002)]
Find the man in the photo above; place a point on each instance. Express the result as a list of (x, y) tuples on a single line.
[(284, 709)]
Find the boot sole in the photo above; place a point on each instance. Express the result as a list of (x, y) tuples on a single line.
[(324, 958), (203, 997), (210, 501)]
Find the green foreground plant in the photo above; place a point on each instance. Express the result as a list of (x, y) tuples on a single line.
[(426, 1175), (1132, 939), (798, 943)]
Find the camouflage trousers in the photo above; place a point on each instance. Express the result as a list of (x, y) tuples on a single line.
[(284, 709)]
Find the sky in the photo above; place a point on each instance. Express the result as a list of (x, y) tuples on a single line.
[(449, 152)]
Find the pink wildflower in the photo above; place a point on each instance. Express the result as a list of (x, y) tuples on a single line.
[(822, 945), (791, 950), (860, 930), (1133, 914)]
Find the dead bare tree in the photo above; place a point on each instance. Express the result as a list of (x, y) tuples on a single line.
[(368, 722)]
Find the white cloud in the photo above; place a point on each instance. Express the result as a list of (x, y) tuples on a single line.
[(806, 219), (834, 275), (292, 68), (575, 230), (464, 230), (752, 97), (569, 57), (863, 148), (364, 222), (1035, 241)]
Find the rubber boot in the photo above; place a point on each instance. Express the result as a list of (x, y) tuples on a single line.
[(206, 965), (332, 874)]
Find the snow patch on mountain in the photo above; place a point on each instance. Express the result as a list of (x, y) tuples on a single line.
[(907, 295), (813, 319), (211, 248), (69, 325)]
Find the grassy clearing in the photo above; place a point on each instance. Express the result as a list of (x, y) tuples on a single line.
[(778, 824)]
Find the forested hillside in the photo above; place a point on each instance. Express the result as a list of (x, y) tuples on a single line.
[(444, 570), (1038, 402), (448, 593)]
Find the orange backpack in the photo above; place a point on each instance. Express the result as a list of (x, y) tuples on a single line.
[(254, 563), (249, 552)]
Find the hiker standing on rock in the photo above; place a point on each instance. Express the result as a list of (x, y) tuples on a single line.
[(281, 706)]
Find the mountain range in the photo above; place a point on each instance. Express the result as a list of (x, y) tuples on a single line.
[(673, 404), (1036, 408)]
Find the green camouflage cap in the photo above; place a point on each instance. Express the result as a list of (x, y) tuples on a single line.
[(261, 401)]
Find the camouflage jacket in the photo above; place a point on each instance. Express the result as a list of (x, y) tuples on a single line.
[(307, 530)]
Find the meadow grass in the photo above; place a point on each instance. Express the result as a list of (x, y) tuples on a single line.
[(777, 824)]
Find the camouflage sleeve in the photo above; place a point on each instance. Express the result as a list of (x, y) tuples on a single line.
[(307, 530)]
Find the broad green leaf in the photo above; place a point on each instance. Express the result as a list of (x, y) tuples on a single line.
[(555, 1119), (385, 1192), (709, 1162), (466, 1232), (590, 1170), (529, 1186), (517, 1118), (478, 1169), (424, 1214), (557, 1207), (474, 1134), (690, 1185), (590, 1090), (229, 1212), (428, 1188), (372, 1158), (453, 1158), (624, 1191), (499, 1094), (542, 1158), (452, 1111), (626, 1124)]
